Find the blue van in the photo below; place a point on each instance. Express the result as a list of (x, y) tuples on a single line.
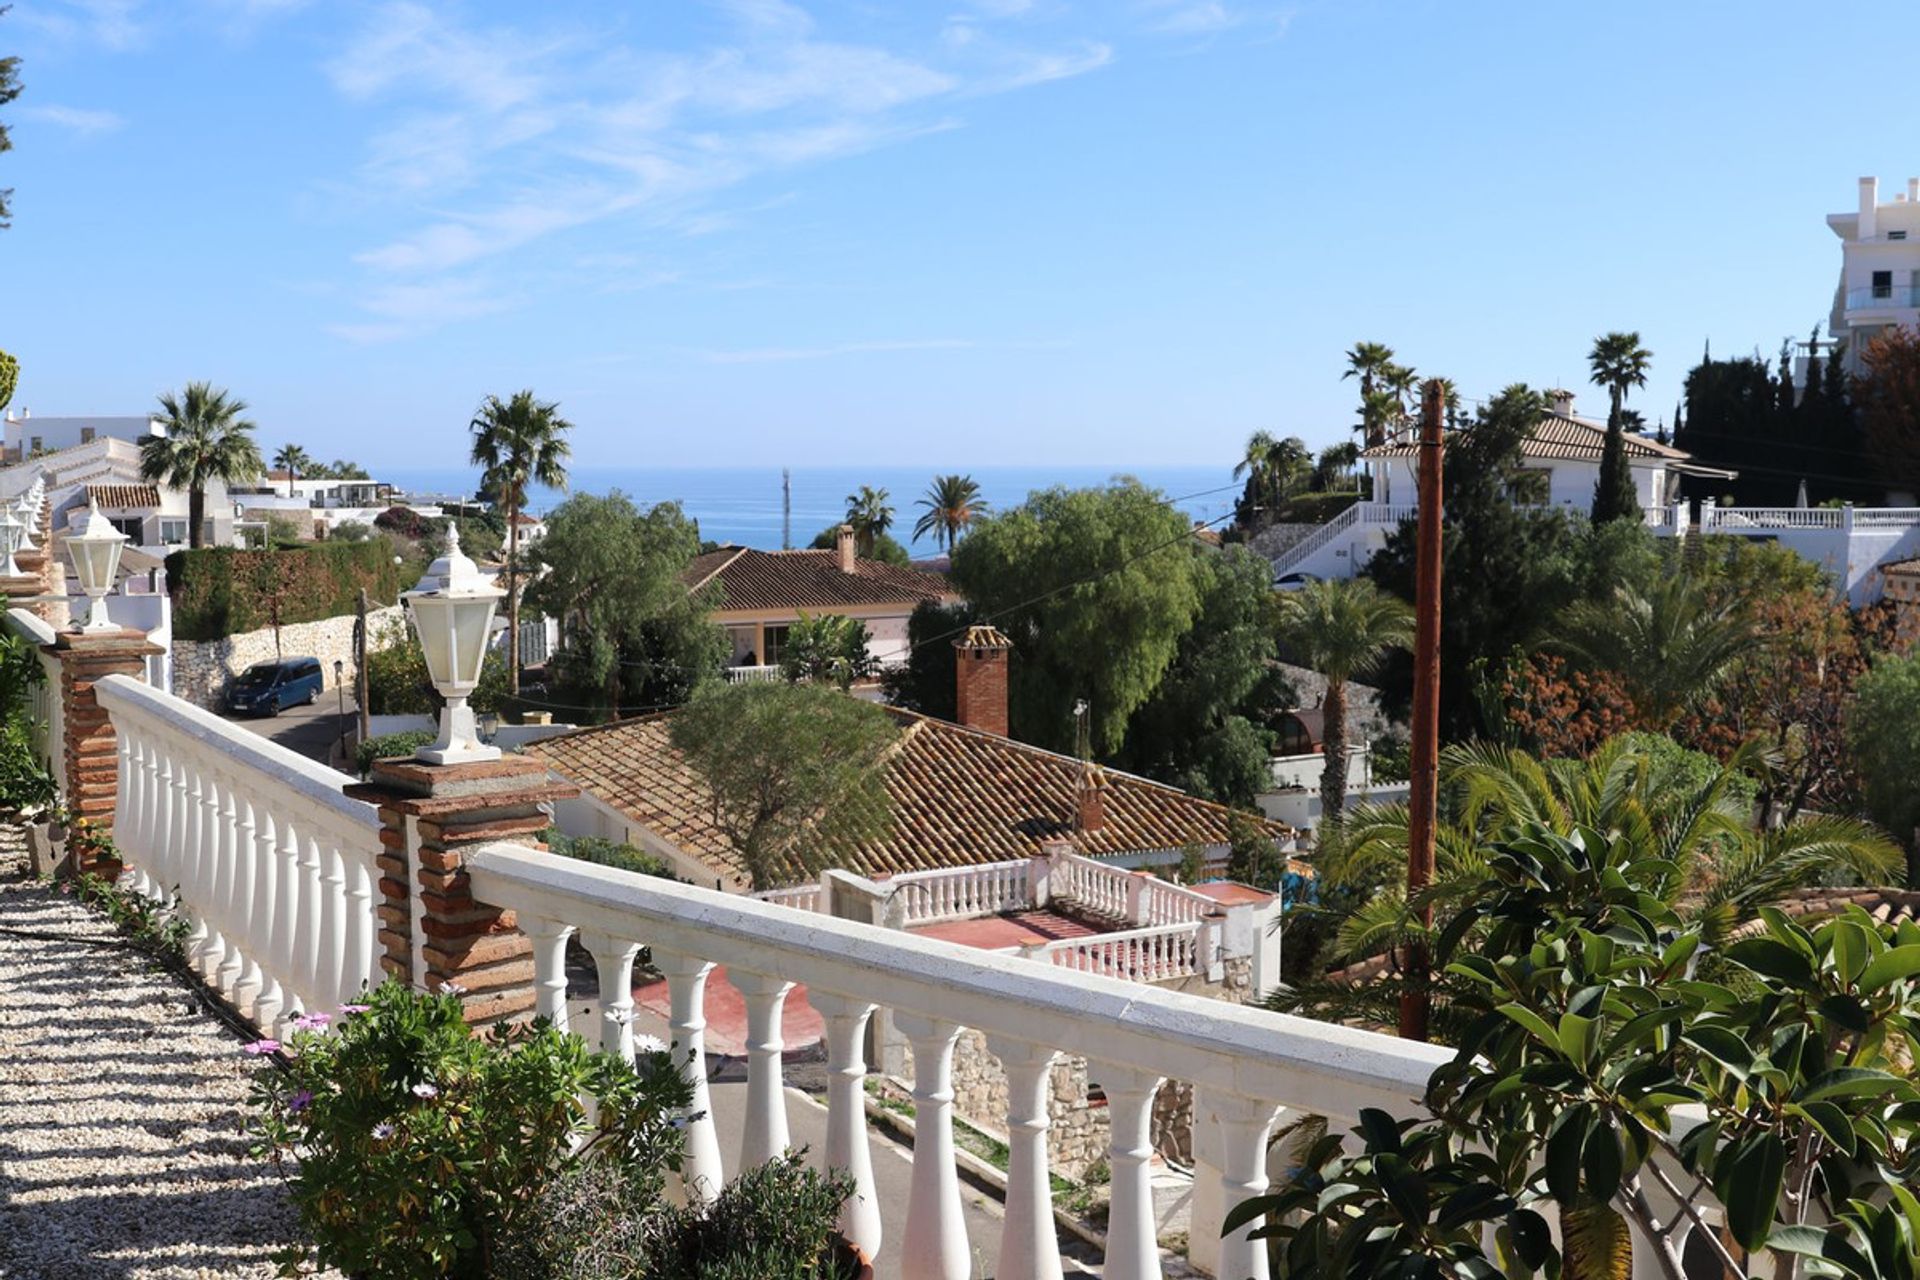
[(268, 688)]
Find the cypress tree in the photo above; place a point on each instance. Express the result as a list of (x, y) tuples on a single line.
[(1613, 494)]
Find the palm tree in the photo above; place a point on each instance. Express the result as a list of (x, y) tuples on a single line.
[(293, 460), (1403, 382), (1619, 363), (1368, 361), (953, 503), (1341, 629), (517, 443), (871, 516), (1672, 644), (206, 440), (1692, 833)]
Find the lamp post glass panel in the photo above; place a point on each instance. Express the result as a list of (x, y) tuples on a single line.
[(452, 610), (96, 559)]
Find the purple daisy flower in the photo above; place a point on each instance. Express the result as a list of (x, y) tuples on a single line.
[(300, 1100), (382, 1131), (312, 1021), (261, 1048), (355, 1008), (425, 1090)]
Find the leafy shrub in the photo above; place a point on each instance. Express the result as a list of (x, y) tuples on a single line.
[(404, 521), (775, 1222), (607, 853), (25, 785), (404, 743), (219, 591), (827, 648), (398, 684), (350, 531), (415, 1146)]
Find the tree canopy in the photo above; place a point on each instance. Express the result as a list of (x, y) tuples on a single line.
[(206, 440), (1095, 587), (1885, 730), (793, 770), (631, 633)]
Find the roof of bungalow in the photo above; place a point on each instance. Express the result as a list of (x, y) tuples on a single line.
[(1564, 437), (754, 579)]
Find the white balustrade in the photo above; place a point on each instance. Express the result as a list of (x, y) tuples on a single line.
[(801, 897), (1158, 954), (1737, 518), (1886, 517), (1246, 1062), (272, 865), (964, 893), (752, 675)]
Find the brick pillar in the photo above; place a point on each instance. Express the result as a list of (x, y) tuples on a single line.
[(89, 758), (980, 679), (433, 933)]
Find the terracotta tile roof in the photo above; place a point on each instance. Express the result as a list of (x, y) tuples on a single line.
[(1558, 436), (809, 580), (124, 495), (960, 797)]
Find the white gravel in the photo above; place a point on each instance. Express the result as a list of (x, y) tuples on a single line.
[(122, 1109)]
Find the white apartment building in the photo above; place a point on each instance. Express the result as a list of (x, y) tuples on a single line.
[(1879, 267), (27, 435)]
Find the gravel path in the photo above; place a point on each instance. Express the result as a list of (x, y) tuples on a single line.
[(122, 1152)]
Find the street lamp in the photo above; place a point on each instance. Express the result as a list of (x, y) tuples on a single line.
[(96, 558), (452, 609), (11, 531), (26, 509)]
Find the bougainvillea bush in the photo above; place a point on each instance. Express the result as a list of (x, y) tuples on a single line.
[(413, 1146)]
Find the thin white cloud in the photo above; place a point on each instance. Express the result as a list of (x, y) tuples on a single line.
[(766, 355), (80, 120), (405, 310), (114, 24)]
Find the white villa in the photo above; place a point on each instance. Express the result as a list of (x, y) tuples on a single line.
[(1560, 466), (106, 469), (27, 435), (1880, 267)]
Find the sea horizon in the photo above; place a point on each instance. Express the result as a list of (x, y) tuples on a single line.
[(742, 505)]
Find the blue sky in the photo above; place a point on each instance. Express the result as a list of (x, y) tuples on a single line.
[(960, 233)]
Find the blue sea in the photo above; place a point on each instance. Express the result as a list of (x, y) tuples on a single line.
[(742, 504)]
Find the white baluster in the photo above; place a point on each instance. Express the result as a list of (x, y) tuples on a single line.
[(233, 893), (363, 925), (701, 1171), (1133, 1251), (549, 938), (247, 927), (765, 1133), (152, 807), (846, 1026), (332, 986), (288, 913), (935, 1244), (613, 960), (272, 1002), (126, 827), (309, 923), (166, 850), (212, 875), (1244, 1124), (194, 861), (1029, 1249)]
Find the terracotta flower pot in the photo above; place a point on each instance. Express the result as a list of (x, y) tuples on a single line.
[(850, 1262)]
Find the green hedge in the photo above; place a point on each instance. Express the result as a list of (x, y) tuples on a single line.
[(220, 591), (1312, 508)]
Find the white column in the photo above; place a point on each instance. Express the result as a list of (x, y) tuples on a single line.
[(549, 938), (213, 876), (271, 1003), (330, 980), (934, 1246), (1242, 1125), (1133, 1249), (131, 788), (190, 838), (363, 924), (166, 851), (248, 929), (288, 912), (309, 924), (765, 1134), (846, 1025), (1029, 1249), (701, 1171), (613, 959)]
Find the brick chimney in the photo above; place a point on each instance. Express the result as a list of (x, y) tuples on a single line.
[(1090, 798), (843, 547), (1560, 401), (980, 677)]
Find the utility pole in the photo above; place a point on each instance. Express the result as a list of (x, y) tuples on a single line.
[(1416, 1004), (786, 508), (360, 695)]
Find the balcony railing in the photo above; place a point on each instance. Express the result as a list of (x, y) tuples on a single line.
[(1893, 297)]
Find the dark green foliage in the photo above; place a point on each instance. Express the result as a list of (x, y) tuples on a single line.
[(221, 591), (1735, 418), (1096, 588), (26, 787), (415, 1146), (1252, 856), (885, 548), (607, 853), (404, 521), (1884, 729), (9, 378), (1313, 508), (386, 745), (398, 683), (9, 90), (826, 648), (773, 1222), (1202, 729), (631, 636), (1614, 497), (925, 683)]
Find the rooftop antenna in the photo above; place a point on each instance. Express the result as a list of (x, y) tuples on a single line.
[(786, 508), (1083, 729)]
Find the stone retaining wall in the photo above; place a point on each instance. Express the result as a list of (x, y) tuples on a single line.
[(202, 668)]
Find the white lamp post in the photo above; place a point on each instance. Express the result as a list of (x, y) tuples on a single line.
[(96, 559), (11, 531), (452, 611), (27, 509)]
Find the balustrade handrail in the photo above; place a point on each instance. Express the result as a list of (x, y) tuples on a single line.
[(1276, 1058), (1290, 556), (295, 777), (1120, 936), (1774, 518), (949, 873)]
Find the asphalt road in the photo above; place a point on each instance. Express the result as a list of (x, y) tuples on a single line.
[(315, 731)]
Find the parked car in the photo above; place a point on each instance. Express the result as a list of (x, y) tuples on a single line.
[(1294, 581), (268, 688)]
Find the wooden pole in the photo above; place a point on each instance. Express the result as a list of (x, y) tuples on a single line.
[(1416, 1003), (360, 691)]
